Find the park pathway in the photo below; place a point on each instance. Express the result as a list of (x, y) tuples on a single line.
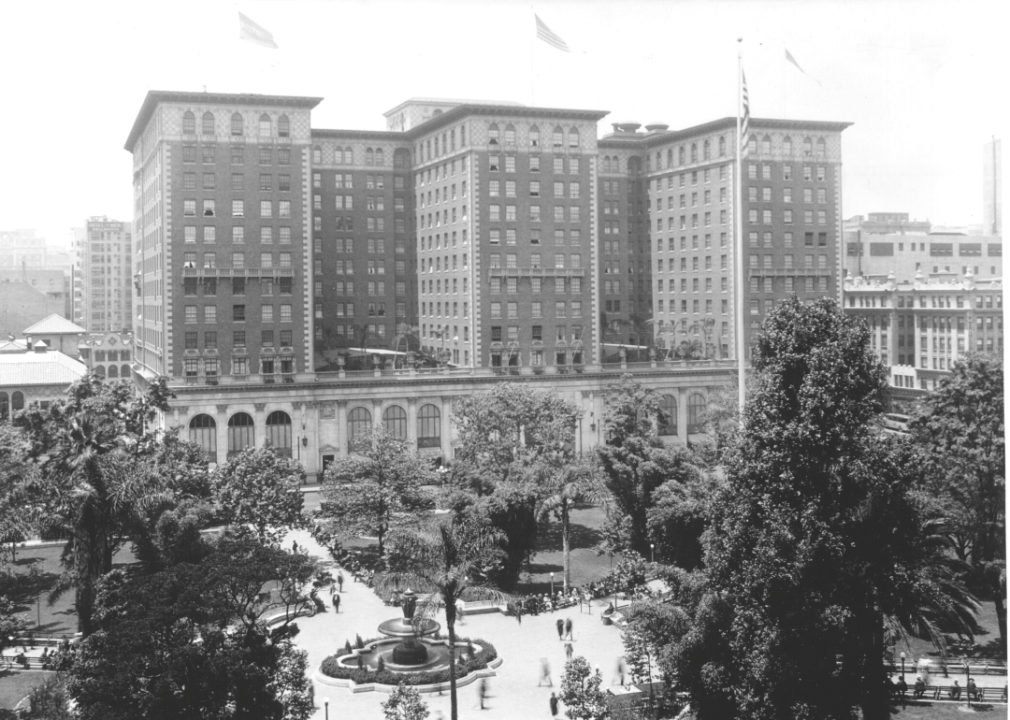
[(513, 692)]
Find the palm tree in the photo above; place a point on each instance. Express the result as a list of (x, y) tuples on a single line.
[(445, 559), (564, 487)]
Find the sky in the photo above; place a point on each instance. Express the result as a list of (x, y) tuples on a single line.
[(918, 80)]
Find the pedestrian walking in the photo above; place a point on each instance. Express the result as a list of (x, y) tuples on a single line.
[(482, 692), (561, 629), (619, 672), (568, 651), (340, 582), (545, 673), (554, 705), (568, 628), (336, 603)]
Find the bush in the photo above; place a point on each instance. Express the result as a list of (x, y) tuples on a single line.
[(477, 661), (358, 643)]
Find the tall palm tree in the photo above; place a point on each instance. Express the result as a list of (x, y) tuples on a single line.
[(446, 558), (565, 485)]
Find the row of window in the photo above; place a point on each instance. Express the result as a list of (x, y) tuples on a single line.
[(283, 339), (562, 236), (787, 217), (558, 165), (238, 314), (536, 285), (345, 156), (208, 208), (208, 234), (208, 260), (787, 195), (809, 173), (236, 126), (508, 137)]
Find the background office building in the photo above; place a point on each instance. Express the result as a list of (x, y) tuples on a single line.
[(103, 287), (992, 187)]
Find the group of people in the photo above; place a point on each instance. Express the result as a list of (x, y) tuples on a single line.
[(900, 688)]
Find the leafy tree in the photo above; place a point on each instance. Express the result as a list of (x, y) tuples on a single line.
[(91, 483), (816, 540), (376, 490), (652, 628), (11, 622), (580, 692), (15, 523), (191, 642), (563, 488), (959, 428), (49, 701), (503, 433), (259, 488), (404, 703), (447, 558), (680, 514)]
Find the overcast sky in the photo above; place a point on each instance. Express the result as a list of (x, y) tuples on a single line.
[(923, 82)]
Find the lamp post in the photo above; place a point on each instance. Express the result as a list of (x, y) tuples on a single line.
[(326, 704), (652, 547), (967, 681), (552, 584), (903, 666)]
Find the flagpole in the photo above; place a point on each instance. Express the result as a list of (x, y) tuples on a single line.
[(738, 191), (533, 50)]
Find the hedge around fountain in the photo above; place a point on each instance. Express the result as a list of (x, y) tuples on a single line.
[(482, 657)]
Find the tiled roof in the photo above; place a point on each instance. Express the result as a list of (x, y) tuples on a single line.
[(43, 368), (55, 324), (13, 346)]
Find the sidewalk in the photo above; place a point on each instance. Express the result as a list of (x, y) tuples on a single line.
[(513, 693)]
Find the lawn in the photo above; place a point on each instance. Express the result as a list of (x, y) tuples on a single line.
[(59, 617), (15, 685), (947, 711)]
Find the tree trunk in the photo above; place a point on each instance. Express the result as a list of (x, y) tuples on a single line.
[(875, 700), (450, 624), (997, 596), (565, 544)]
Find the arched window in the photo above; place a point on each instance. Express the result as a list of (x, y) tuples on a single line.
[(100, 370), (379, 157), (669, 157), (124, 371), (236, 124), (359, 422), (694, 152), (203, 432), (348, 156), (573, 137), (241, 433), (558, 138), (317, 154), (369, 156), (429, 427), (534, 136), (668, 415), (492, 134), (766, 145), (722, 146), (680, 155), (17, 401), (659, 161), (394, 420), (787, 145), (808, 147), (707, 150), (752, 144), (113, 371), (284, 126), (266, 126), (606, 163), (401, 158), (5, 406), (279, 432), (207, 123), (188, 123), (695, 408), (616, 164), (821, 148)]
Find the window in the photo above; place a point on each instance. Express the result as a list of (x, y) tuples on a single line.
[(241, 428), (236, 124), (394, 420), (207, 124), (667, 415)]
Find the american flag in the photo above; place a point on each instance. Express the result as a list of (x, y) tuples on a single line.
[(548, 36), (745, 122)]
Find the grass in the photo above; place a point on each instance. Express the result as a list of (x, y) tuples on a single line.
[(947, 711), (59, 617), (15, 685)]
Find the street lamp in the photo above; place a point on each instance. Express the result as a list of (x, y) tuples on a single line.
[(552, 584), (652, 546), (902, 667), (326, 704)]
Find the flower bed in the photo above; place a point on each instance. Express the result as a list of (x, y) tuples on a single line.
[(482, 657)]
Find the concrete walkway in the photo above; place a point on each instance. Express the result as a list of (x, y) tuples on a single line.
[(513, 693)]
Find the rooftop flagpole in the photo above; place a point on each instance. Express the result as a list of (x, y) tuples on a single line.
[(741, 128)]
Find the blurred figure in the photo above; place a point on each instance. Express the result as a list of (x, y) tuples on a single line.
[(554, 705), (545, 673), (482, 692), (568, 628), (619, 670)]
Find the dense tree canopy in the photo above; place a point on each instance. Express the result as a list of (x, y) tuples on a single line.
[(377, 489), (959, 428), (260, 489), (817, 542)]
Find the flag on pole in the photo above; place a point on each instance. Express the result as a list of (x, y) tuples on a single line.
[(790, 58), (248, 30), (548, 36), (745, 103)]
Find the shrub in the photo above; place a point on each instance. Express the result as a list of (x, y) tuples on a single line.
[(358, 642), (467, 664)]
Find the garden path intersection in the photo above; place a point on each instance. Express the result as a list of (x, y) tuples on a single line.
[(512, 693)]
